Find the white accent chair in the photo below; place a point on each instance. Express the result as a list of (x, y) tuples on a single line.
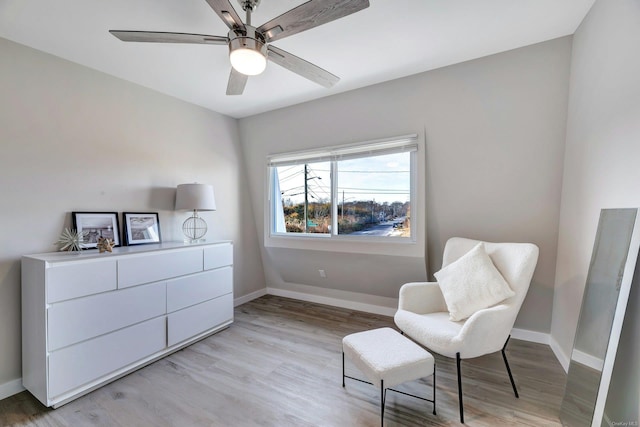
[(423, 316)]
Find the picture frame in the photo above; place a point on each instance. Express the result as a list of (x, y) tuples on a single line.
[(95, 225), (141, 228)]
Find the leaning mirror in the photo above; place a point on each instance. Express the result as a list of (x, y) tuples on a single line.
[(604, 302)]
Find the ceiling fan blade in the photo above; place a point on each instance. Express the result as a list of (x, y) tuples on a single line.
[(227, 13), (237, 82), (309, 15), (302, 67), (161, 37)]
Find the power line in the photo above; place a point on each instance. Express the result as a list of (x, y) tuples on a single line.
[(293, 175), (363, 171)]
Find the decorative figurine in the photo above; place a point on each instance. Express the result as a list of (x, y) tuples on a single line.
[(71, 240), (105, 244)]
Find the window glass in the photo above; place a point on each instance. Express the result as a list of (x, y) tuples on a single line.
[(305, 194), (374, 195)]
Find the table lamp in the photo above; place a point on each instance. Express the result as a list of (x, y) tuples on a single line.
[(196, 197)]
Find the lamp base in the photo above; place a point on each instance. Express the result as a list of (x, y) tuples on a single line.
[(194, 229), (190, 240)]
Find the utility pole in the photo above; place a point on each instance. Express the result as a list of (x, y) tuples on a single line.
[(342, 212), (372, 203), (306, 198)]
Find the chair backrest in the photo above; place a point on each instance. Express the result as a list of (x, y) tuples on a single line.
[(515, 261)]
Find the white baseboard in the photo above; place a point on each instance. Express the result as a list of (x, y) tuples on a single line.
[(560, 355), (588, 360), (531, 336), (249, 297), (336, 302), (10, 388)]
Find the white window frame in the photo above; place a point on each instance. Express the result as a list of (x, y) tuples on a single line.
[(405, 143)]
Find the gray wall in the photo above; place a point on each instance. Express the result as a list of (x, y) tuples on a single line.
[(601, 171), (76, 139), (494, 130)]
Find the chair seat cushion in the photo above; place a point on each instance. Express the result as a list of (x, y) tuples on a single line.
[(472, 283), (434, 330)]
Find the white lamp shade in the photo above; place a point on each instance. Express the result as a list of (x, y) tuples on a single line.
[(195, 197)]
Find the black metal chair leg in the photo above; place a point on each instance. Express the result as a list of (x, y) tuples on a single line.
[(460, 388), (383, 394), (434, 389), (504, 356)]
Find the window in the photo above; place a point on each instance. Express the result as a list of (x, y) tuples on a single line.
[(305, 197), (361, 190)]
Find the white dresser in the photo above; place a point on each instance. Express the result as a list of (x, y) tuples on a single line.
[(89, 318)]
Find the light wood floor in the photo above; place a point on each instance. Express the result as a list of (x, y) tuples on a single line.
[(279, 364)]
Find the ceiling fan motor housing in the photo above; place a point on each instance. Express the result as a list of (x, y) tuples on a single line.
[(247, 47)]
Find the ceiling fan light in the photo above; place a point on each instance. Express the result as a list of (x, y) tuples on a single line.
[(248, 61)]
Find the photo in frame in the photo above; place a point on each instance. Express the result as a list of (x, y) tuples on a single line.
[(95, 225), (141, 228)]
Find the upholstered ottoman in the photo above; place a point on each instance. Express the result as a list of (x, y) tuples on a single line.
[(387, 359)]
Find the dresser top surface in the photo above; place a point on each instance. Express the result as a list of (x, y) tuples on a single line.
[(120, 250)]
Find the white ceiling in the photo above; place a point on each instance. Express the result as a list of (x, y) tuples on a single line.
[(390, 39)]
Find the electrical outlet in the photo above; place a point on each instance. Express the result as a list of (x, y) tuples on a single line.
[(322, 274)]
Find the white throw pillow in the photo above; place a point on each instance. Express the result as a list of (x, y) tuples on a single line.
[(472, 283)]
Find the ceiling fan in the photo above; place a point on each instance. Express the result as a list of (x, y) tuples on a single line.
[(249, 47)]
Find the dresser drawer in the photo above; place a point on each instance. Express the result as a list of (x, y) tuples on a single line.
[(152, 267), (191, 290), (218, 256), (73, 321), (88, 361), (67, 281), (194, 320)]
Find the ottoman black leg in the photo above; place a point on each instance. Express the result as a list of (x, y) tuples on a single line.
[(343, 369)]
